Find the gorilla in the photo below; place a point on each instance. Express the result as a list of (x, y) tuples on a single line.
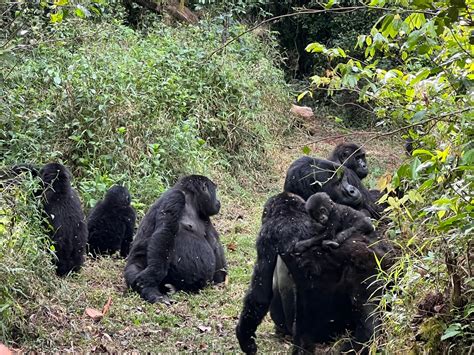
[(111, 223), (351, 156), (176, 242), (307, 176), (67, 221), (312, 307), (338, 223)]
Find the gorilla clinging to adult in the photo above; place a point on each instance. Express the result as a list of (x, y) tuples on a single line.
[(336, 223), (312, 307), (63, 208), (176, 242), (111, 223), (322, 292)]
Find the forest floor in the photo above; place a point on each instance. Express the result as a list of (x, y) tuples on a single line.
[(203, 322)]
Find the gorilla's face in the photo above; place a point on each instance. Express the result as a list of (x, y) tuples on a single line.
[(342, 192), (209, 205), (355, 161), (319, 207)]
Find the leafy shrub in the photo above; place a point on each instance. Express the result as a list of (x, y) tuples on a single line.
[(107, 99)]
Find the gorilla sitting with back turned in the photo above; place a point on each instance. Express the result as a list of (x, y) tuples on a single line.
[(63, 207), (111, 223), (176, 242)]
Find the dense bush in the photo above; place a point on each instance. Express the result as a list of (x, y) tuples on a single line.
[(105, 98), (428, 93)]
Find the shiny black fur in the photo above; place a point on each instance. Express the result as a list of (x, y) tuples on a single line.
[(307, 176), (176, 242), (338, 223), (68, 229), (111, 223), (312, 307)]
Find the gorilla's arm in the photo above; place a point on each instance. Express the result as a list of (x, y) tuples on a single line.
[(160, 245), (258, 298), (128, 236), (358, 223), (221, 263)]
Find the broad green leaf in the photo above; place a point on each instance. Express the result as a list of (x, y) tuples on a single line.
[(315, 48), (306, 150), (422, 152)]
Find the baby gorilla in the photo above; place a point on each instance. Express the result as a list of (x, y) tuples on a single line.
[(111, 223), (335, 222)]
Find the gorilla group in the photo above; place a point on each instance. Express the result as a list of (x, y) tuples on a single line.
[(176, 242), (314, 292), (111, 223)]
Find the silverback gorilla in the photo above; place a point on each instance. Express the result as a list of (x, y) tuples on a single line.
[(63, 207), (111, 223), (312, 307), (176, 242)]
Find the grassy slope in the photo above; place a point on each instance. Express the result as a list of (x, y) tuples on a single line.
[(201, 322)]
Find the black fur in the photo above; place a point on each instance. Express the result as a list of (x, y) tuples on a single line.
[(63, 208), (307, 176), (338, 223), (351, 156), (176, 242), (311, 307), (111, 223)]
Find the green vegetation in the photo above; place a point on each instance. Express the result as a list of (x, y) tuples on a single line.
[(146, 104), (428, 91)]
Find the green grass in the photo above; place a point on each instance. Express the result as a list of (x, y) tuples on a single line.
[(194, 322)]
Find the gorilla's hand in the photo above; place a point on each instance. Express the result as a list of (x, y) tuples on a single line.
[(246, 340), (153, 295), (330, 243)]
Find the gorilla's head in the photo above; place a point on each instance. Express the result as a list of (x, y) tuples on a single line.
[(203, 193)]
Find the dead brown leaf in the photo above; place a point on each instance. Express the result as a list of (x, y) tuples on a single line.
[(231, 246), (94, 314), (107, 306)]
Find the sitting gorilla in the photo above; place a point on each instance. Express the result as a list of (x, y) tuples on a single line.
[(315, 308), (338, 223), (63, 207), (307, 176), (176, 242), (351, 156), (111, 223)]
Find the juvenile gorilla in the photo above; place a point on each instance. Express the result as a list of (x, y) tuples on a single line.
[(307, 176), (315, 308), (111, 223), (351, 156), (63, 207), (338, 223), (176, 242)]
